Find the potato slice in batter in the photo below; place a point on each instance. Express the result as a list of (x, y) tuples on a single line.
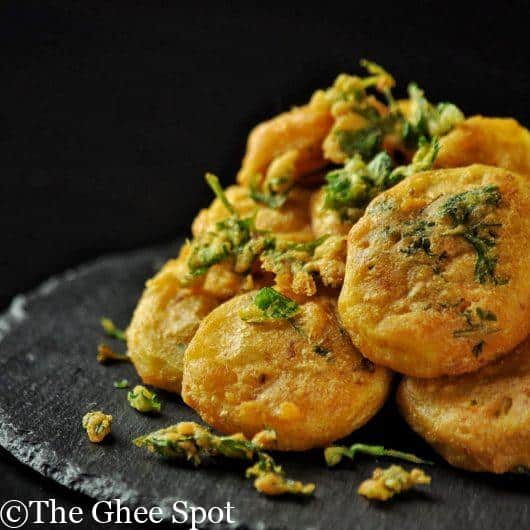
[(301, 376), (437, 276), (478, 421), (163, 323), (501, 142), (301, 129)]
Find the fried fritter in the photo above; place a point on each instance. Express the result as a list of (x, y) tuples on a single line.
[(500, 142), (163, 323), (437, 276), (301, 376), (478, 421), (302, 129), (291, 221)]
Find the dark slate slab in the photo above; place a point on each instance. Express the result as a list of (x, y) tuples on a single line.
[(49, 378)]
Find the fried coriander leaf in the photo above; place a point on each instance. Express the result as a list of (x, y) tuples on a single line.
[(97, 425), (143, 400), (428, 120), (270, 479), (385, 483), (269, 304), (232, 238), (362, 121), (193, 442), (335, 453), (466, 212), (298, 266), (111, 330), (357, 183)]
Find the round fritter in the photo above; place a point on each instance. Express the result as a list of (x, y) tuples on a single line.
[(437, 276), (303, 377), (163, 323), (291, 221), (501, 142), (301, 129), (478, 421)]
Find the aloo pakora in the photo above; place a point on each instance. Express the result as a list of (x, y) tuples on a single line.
[(478, 421), (293, 370), (436, 278)]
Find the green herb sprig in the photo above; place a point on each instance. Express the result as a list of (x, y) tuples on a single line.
[(336, 453), (269, 304), (465, 212)]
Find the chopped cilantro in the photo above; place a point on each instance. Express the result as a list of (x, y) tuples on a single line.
[(428, 120), (477, 322), (357, 183), (363, 142), (269, 304), (143, 400), (190, 441), (121, 384), (465, 211), (335, 453)]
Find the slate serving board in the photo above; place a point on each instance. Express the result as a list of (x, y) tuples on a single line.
[(49, 378)]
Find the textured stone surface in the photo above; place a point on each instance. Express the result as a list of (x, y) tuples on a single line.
[(49, 378)]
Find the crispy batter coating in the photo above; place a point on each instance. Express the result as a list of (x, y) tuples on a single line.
[(385, 483), (300, 377), (327, 221), (97, 425), (501, 142), (302, 271), (437, 276), (302, 129), (291, 221), (478, 421), (163, 323)]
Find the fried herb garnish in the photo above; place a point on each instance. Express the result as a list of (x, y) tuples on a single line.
[(97, 425), (357, 183), (298, 266), (143, 400), (192, 442), (123, 383), (385, 483), (478, 321), (351, 94), (271, 197), (105, 355), (418, 235), (279, 181), (111, 330), (335, 453), (428, 120), (364, 143), (465, 211), (231, 238), (270, 478), (227, 239), (269, 304)]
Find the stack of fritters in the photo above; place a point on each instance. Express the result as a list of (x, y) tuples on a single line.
[(365, 235)]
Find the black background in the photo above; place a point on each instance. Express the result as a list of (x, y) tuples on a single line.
[(110, 115)]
